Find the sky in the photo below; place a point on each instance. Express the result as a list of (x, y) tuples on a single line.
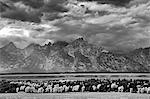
[(114, 24)]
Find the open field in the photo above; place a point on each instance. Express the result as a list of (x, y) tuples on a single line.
[(86, 95), (76, 76)]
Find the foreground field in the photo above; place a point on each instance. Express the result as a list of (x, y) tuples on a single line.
[(86, 95), (73, 76)]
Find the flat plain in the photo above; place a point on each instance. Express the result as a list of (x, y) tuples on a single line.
[(73, 76), (84, 95)]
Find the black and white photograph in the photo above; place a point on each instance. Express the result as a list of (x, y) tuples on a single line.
[(74, 49)]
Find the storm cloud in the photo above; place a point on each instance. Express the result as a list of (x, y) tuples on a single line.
[(113, 24), (32, 10)]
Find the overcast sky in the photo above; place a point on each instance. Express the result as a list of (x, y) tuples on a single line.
[(113, 24)]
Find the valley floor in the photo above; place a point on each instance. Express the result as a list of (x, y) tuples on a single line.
[(86, 95)]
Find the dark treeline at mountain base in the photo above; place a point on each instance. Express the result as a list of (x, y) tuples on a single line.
[(66, 86), (75, 56)]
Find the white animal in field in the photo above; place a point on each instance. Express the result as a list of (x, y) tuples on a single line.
[(40, 90), (120, 89), (75, 88)]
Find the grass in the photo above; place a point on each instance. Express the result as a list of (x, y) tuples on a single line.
[(76, 76), (85, 95)]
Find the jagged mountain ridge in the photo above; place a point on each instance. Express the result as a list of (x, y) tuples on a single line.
[(75, 56)]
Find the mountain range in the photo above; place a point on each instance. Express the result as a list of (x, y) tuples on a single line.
[(74, 56)]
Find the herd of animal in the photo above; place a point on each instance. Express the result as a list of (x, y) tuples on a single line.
[(62, 86)]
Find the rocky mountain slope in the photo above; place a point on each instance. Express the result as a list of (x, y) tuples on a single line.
[(75, 56)]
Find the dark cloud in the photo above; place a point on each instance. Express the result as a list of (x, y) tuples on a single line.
[(96, 34), (4, 7), (38, 7), (32, 3), (113, 2), (120, 27), (54, 6), (32, 10), (22, 15), (137, 2)]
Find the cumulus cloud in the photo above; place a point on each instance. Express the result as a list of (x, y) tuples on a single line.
[(9, 31), (125, 26), (23, 33)]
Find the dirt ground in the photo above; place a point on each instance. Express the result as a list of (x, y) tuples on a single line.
[(86, 95)]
